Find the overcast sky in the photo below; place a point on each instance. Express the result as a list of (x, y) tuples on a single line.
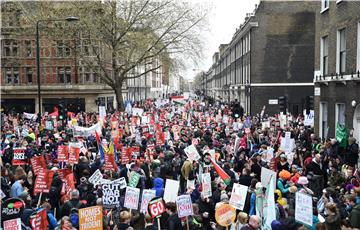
[(225, 17)]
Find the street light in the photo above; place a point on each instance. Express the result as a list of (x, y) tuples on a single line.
[(69, 19)]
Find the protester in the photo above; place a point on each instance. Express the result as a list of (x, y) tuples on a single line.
[(158, 146)]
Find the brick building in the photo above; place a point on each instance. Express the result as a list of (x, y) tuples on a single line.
[(64, 74), (337, 65), (270, 55)]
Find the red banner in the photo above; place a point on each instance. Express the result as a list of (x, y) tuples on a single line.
[(74, 153), (43, 181), (125, 155), (39, 220), (19, 157), (38, 164), (63, 153)]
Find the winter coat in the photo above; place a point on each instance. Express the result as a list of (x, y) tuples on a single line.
[(355, 217), (158, 186)]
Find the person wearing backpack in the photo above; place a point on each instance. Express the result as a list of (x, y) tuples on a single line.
[(71, 207)]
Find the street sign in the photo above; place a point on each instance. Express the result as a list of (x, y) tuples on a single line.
[(273, 101)]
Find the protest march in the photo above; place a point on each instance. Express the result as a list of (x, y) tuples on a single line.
[(192, 164)]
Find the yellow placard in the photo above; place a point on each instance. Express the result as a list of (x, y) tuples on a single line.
[(91, 218), (225, 215)]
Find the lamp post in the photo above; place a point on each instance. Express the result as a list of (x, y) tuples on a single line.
[(69, 19)]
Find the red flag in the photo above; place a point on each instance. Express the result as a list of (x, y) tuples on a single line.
[(223, 175), (97, 137)]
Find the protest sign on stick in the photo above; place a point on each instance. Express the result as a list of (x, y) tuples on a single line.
[(206, 185), (171, 190), (238, 196), (303, 208), (91, 218), (111, 195), (147, 195), (38, 164), (43, 181), (19, 157), (184, 206), (132, 198)]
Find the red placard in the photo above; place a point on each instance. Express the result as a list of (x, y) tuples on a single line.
[(19, 157), (67, 177), (43, 181), (125, 158), (38, 164), (156, 207), (74, 153), (63, 153), (39, 220), (160, 138), (110, 162)]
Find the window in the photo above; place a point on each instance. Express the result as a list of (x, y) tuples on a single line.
[(89, 75), (12, 75), (10, 48), (64, 74), (28, 49), (324, 61), (323, 123), (110, 103), (340, 113), (86, 47), (29, 74), (63, 48), (341, 51), (324, 5)]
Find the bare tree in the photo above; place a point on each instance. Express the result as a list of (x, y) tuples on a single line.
[(130, 38)]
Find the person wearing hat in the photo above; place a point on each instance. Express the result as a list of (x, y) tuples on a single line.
[(283, 164), (284, 176), (302, 186)]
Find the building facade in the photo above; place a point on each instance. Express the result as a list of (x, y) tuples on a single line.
[(337, 66), (64, 72), (270, 55)]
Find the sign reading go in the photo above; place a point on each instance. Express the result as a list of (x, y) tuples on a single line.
[(156, 207)]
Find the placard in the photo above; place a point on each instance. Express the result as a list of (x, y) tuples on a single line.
[(171, 190), (91, 218), (156, 207), (96, 177), (134, 179), (38, 220), (38, 164), (238, 196), (63, 153), (111, 195), (225, 215), (266, 176), (12, 208), (147, 195), (137, 111), (184, 206), (303, 208), (206, 185), (102, 112), (132, 198), (74, 153), (121, 181), (43, 181), (192, 153), (19, 156), (14, 224)]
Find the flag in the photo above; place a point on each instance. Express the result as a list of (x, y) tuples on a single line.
[(223, 175), (341, 135), (247, 123), (269, 206)]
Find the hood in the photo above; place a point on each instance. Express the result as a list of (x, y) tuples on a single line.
[(158, 183)]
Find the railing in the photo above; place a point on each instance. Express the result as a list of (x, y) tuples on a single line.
[(337, 77)]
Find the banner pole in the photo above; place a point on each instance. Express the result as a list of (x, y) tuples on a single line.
[(158, 222), (187, 223), (39, 201)]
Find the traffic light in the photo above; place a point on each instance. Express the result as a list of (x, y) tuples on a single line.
[(62, 110), (282, 104), (309, 104)]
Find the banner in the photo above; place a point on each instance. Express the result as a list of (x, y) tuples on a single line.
[(121, 181), (74, 153), (171, 190), (269, 204), (38, 220), (43, 181), (91, 218), (14, 224), (111, 195), (132, 198), (184, 206), (341, 135), (102, 112), (206, 185), (87, 131), (96, 177), (38, 164), (192, 153), (303, 208), (137, 111), (30, 116), (134, 179), (147, 195), (63, 153), (19, 157), (266, 175), (238, 196)]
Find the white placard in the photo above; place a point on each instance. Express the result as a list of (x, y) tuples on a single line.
[(171, 190), (309, 119), (132, 198), (273, 101), (102, 112), (96, 178), (206, 185), (137, 111), (266, 176), (303, 208), (192, 153), (147, 195), (184, 206), (238, 196)]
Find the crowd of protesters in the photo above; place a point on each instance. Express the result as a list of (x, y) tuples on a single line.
[(325, 169)]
